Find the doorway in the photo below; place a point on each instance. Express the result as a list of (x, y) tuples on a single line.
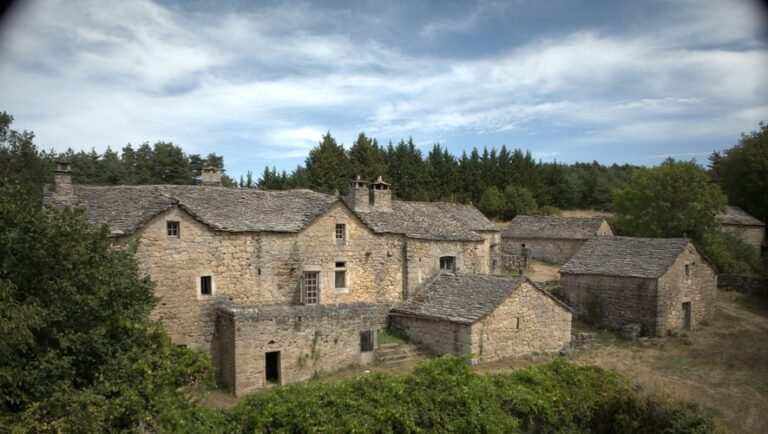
[(687, 315), (272, 366)]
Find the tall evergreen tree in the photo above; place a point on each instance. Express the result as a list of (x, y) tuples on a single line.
[(366, 158), (328, 166)]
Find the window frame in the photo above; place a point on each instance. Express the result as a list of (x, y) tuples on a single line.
[(340, 269), (173, 226), (448, 263), (367, 341), (206, 290), (310, 287), (340, 233)]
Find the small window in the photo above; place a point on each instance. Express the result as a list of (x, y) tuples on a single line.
[(366, 341), (448, 263), (517, 323), (206, 285), (341, 231), (311, 287), (341, 275), (172, 228), (688, 269)]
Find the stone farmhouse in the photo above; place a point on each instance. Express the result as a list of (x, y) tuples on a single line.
[(742, 224), (550, 238), (490, 317), (281, 285), (662, 284)]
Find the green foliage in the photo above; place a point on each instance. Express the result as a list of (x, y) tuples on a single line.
[(675, 199), (445, 395), (367, 158), (20, 160), (327, 166), (79, 352), (729, 253), (743, 172), (505, 205)]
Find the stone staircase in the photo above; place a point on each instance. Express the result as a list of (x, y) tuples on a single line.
[(399, 353)]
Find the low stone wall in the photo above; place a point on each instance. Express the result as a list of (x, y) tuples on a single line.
[(742, 282), (514, 262), (440, 336), (305, 340)]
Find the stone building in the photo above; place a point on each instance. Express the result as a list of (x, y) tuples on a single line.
[(278, 284), (550, 238), (742, 224), (490, 317), (661, 283)]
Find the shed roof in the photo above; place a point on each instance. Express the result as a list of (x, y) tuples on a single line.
[(625, 256), (462, 298), (536, 226), (734, 215)]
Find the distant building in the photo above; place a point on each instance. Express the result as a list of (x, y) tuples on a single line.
[(550, 238), (661, 283), (490, 317), (738, 222)]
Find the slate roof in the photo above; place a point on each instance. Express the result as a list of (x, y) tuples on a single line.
[(734, 215), (125, 208), (462, 298), (625, 256), (548, 227), (426, 220)]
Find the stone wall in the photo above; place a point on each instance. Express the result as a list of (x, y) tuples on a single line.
[(752, 235), (559, 251), (527, 322), (261, 268), (440, 336), (423, 258), (742, 282), (612, 301), (698, 287), (310, 340), (514, 262)]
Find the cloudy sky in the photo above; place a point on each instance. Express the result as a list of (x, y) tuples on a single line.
[(259, 82)]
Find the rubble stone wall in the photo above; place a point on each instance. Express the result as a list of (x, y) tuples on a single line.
[(423, 258), (527, 322), (559, 251), (311, 340), (752, 235), (440, 336), (697, 287)]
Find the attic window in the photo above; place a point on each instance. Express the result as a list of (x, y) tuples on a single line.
[(172, 228), (688, 269), (448, 263), (341, 231)]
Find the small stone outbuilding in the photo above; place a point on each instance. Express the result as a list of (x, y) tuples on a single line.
[(550, 238), (661, 283), (742, 224), (490, 317)]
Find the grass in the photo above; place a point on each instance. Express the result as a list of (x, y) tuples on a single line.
[(389, 337)]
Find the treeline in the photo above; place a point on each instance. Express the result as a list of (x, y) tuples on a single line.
[(501, 182)]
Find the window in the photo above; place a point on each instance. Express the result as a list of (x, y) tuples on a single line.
[(206, 285), (517, 323), (341, 275), (366, 341), (172, 229), (448, 263), (688, 269), (311, 287), (341, 231)]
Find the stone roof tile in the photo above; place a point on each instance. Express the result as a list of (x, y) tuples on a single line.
[(549, 227), (734, 215), (625, 256), (462, 298)]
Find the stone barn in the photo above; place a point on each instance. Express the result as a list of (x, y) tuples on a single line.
[(490, 317), (661, 283), (742, 224), (550, 238)]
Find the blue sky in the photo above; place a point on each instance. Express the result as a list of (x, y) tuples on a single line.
[(259, 82)]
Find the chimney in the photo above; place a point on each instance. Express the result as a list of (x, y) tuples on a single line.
[(211, 176), (381, 196), (62, 182), (357, 194)]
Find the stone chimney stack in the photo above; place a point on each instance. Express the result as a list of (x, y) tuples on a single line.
[(211, 176), (357, 195), (62, 182), (381, 196)]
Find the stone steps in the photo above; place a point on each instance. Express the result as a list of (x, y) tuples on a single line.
[(399, 353)]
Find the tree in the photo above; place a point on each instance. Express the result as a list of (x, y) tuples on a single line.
[(744, 172), (366, 158), (328, 166), (79, 353), (21, 160), (674, 199), (517, 200), (406, 170)]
